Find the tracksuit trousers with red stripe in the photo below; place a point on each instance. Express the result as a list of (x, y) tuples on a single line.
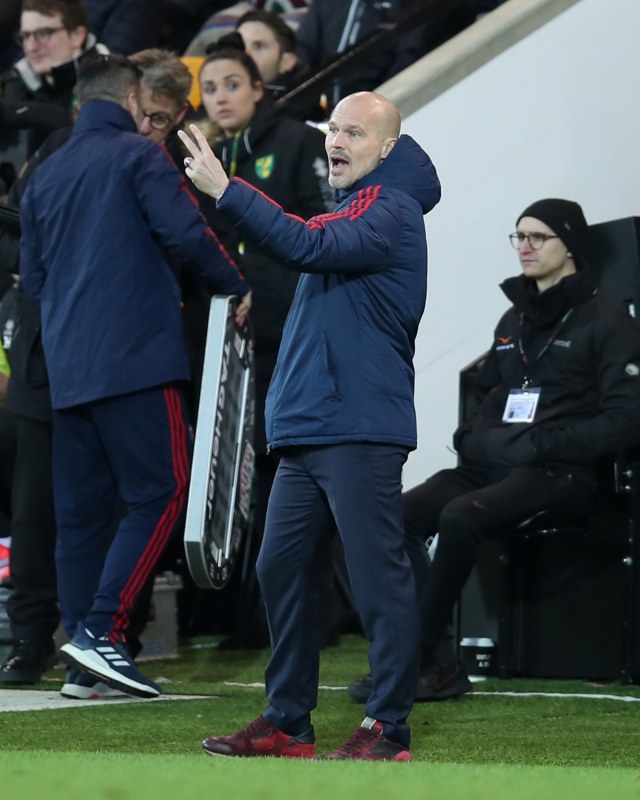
[(136, 447)]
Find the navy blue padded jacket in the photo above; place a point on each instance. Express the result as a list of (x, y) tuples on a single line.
[(99, 218), (345, 366)]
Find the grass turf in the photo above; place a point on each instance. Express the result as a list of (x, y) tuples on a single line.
[(60, 776), (477, 746)]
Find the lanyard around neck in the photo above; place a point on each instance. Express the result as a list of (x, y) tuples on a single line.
[(547, 344)]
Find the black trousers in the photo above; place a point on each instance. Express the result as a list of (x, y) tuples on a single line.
[(32, 606), (7, 460), (466, 505)]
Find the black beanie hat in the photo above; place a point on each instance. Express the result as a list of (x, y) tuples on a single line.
[(566, 220)]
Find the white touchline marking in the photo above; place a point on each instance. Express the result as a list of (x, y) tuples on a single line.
[(576, 695)]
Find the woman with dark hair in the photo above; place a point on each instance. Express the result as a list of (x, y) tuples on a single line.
[(285, 158)]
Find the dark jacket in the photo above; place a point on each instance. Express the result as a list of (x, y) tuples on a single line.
[(125, 26), (331, 27), (28, 388), (285, 159), (97, 217), (589, 376), (31, 108), (345, 367), (28, 393)]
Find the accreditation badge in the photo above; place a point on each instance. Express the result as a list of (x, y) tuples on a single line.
[(521, 405)]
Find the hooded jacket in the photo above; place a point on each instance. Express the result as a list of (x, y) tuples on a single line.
[(587, 369), (345, 367)]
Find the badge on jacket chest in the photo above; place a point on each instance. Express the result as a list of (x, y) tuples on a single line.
[(521, 405)]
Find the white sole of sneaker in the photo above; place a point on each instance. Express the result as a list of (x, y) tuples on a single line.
[(92, 662), (99, 691)]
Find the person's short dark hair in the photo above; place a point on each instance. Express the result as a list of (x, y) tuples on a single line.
[(107, 77), (230, 47), (72, 12), (285, 35)]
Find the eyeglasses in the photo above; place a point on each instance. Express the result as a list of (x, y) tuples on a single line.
[(158, 121), (534, 240), (40, 35)]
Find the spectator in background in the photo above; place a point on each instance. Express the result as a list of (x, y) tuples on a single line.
[(331, 27), (125, 26), (284, 158), (271, 43), (118, 414), (37, 93), (164, 93), (558, 390), (223, 21)]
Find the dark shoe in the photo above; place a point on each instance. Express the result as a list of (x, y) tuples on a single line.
[(442, 682), (436, 682), (367, 743), (360, 689), (27, 662), (109, 662), (83, 686), (260, 738)]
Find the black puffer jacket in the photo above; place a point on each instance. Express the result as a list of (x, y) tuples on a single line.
[(588, 371)]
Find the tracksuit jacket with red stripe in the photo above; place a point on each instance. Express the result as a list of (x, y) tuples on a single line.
[(100, 218), (345, 366)]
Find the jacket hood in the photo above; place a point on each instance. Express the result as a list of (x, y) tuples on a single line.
[(407, 169), (544, 308)]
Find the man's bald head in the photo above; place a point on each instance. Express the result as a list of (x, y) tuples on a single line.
[(381, 111), (363, 129)]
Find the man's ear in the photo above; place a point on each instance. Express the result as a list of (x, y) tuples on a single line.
[(387, 147), (132, 105), (78, 37), (287, 62), (180, 115)]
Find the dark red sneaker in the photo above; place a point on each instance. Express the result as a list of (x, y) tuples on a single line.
[(367, 743), (260, 738)]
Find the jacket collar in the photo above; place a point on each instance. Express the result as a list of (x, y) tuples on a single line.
[(543, 309), (103, 114), (63, 76)]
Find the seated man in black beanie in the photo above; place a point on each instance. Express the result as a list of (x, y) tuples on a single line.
[(558, 390)]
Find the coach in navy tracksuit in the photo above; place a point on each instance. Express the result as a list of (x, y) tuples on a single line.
[(340, 412), (97, 218)]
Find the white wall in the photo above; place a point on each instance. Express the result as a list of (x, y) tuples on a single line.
[(556, 115)]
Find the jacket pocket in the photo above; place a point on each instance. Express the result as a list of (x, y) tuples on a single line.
[(330, 377), (27, 359)]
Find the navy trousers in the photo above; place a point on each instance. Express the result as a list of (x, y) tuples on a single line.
[(356, 488), (136, 447)]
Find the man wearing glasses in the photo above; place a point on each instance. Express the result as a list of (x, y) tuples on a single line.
[(164, 92), (37, 93), (558, 389)]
